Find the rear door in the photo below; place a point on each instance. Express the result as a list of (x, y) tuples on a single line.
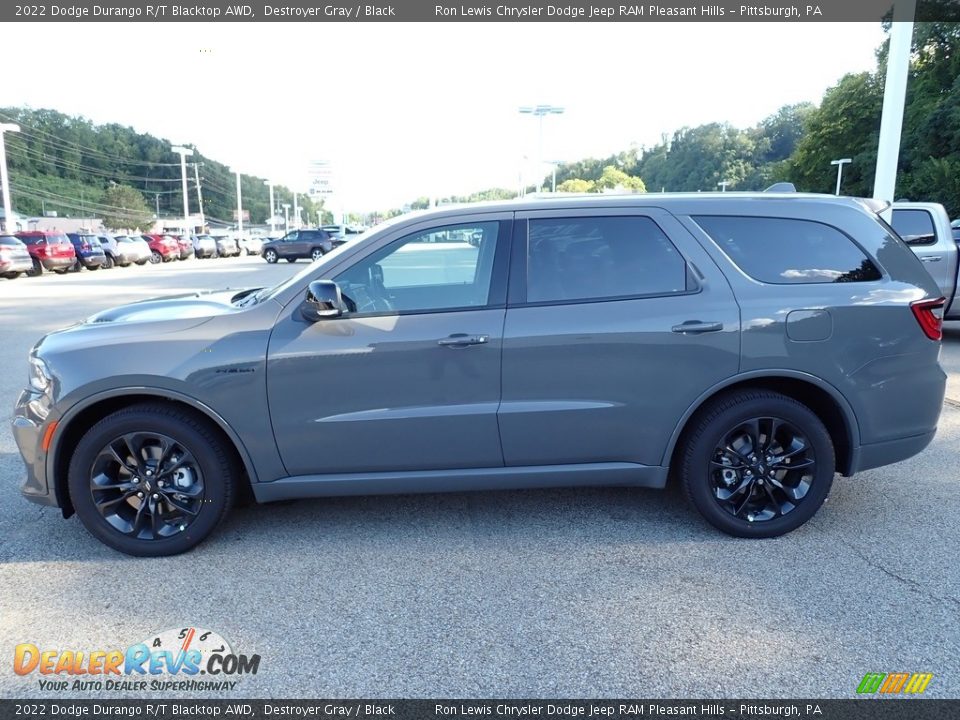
[(617, 321)]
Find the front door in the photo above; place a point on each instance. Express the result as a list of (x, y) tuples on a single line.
[(617, 321), (409, 377)]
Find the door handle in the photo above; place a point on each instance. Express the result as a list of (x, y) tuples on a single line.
[(931, 258), (463, 340), (694, 327)]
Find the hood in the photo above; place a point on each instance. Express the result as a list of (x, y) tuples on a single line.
[(174, 307)]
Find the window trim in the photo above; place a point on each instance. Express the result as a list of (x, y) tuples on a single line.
[(517, 296), (736, 266), (496, 299)]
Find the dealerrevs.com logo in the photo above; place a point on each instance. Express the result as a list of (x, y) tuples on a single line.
[(179, 660)]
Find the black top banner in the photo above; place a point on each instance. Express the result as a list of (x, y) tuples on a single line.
[(480, 11), (177, 709)]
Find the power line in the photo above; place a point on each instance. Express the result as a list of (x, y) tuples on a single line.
[(67, 165)]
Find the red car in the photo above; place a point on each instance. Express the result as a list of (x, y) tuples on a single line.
[(163, 248), (50, 250), (185, 244)]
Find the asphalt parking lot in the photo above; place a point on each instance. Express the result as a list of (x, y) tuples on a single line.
[(569, 593)]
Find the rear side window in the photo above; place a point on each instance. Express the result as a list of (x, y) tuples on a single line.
[(914, 226), (787, 251), (600, 258)]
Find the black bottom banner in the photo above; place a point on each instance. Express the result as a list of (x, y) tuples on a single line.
[(860, 709)]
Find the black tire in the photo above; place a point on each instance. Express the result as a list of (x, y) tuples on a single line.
[(91, 268), (316, 254), (37, 269), (211, 467), (271, 256), (64, 271), (11, 275), (155, 257), (142, 262), (108, 263), (706, 472)]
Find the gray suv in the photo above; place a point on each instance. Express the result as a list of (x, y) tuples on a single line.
[(749, 346)]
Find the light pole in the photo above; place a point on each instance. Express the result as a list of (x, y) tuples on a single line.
[(553, 177), (723, 185), (539, 112), (183, 152), (196, 176), (239, 208), (840, 163), (269, 183), (4, 179), (296, 212), (286, 218)]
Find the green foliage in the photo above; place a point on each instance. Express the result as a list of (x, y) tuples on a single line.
[(131, 211), (67, 164), (613, 178), (575, 185)]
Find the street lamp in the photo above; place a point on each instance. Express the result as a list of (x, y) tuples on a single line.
[(539, 112), (196, 177), (286, 218), (723, 185), (183, 152), (4, 180), (840, 163), (239, 209), (269, 183)]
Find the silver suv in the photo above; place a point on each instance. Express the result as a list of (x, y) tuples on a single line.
[(748, 346)]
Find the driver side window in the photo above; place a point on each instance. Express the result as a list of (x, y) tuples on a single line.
[(291, 237), (443, 268)]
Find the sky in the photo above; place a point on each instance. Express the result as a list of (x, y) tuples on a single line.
[(406, 110)]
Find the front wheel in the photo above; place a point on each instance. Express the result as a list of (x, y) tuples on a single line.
[(151, 480), (108, 263), (316, 254), (155, 257), (270, 256), (36, 270), (757, 464)]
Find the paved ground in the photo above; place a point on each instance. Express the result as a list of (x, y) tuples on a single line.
[(582, 593)]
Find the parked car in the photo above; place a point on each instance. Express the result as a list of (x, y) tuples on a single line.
[(49, 250), (299, 244), (123, 251), (163, 248), (14, 257), (89, 251), (250, 245), (753, 345), (186, 246), (204, 246), (955, 229), (226, 246), (926, 229)]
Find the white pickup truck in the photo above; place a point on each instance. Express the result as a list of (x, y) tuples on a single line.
[(925, 227)]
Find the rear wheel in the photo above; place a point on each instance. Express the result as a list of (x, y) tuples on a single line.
[(151, 480), (757, 464), (316, 254)]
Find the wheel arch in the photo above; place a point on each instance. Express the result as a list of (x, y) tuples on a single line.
[(821, 397), (82, 416)]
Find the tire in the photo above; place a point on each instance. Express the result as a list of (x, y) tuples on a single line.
[(109, 263), (143, 262), (291, 260), (93, 267), (271, 256), (64, 271), (11, 275), (37, 269), (316, 254), (716, 482), (155, 257), (210, 479)]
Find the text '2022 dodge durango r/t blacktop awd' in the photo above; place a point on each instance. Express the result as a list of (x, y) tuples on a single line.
[(751, 346)]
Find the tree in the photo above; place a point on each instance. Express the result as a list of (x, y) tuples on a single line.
[(128, 210), (575, 185), (613, 178)]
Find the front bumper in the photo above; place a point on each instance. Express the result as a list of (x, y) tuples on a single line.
[(30, 423)]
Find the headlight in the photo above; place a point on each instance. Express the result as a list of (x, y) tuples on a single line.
[(39, 375)]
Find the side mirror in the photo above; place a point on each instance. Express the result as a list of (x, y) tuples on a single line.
[(323, 301)]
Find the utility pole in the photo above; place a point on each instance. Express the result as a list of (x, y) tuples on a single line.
[(157, 197), (296, 212), (894, 99), (239, 208), (840, 163), (273, 210), (196, 176), (286, 218), (183, 152), (4, 178)]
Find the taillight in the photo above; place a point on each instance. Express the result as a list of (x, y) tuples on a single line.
[(929, 313)]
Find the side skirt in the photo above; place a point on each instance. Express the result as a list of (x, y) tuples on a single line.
[(436, 481)]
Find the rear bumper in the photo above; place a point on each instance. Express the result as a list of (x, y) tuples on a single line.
[(93, 260), (57, 263), (17, 265), (875, 455)]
